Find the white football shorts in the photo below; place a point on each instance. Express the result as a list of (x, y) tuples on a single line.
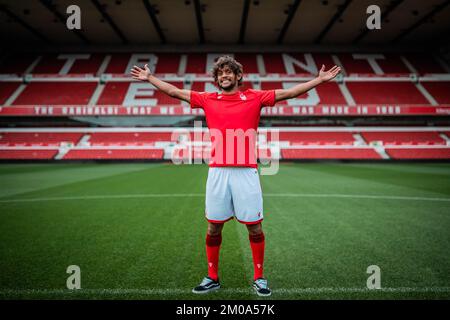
[(233, 192)]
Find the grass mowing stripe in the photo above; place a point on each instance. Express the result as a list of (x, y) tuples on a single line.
[(178, 195), (350, 180), (355, 196), (410, 182), (28, 182), (244, 243), (422, 168)]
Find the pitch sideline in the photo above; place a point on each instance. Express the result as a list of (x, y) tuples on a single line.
[(178, 195)]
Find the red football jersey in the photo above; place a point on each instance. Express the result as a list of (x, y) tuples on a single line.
[(233, 120)]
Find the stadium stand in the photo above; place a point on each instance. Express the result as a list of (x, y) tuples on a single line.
[(281, 143), (132, 138), (56, 93), (422, 153), (438, 90), (38, 138), (371, 92), (116, 93), (6, 90), (29, 154), (316, 138), (114, 154), (65, 85), (200, 63), (405, 138)]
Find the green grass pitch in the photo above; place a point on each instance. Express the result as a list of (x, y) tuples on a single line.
[(137, 231)]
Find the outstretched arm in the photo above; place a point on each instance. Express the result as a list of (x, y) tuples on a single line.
[(169, 89), (324, 76)]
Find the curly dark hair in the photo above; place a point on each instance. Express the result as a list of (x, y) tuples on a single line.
[(230, 62)]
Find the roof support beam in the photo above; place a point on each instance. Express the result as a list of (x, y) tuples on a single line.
[(111, 22), (288, 21), (198, 16), (152, 14), (337, 15), (244, 21), (17, 19), (422, 20)]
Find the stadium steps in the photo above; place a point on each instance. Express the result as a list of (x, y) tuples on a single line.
[(62, 151), (359, 140), (379, 149), (96, 95), (419, 153), (426, 94), (445, 137), (84, 141), (382, 152)]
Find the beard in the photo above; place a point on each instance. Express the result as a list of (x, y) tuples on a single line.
[(228, 87)]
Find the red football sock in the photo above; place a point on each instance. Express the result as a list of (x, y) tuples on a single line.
[(257, 244), (212, 254)]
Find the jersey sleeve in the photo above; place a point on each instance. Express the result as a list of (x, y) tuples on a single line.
[(198, 99), (267, 97)]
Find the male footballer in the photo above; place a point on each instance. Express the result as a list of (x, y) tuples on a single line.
[(233, 188)]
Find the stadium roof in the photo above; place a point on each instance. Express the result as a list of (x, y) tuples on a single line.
[(219, 22)]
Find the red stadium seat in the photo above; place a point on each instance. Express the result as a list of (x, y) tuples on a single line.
[(391, 64), (114, 154), (422, 153), (408, 138), (6, 90), (17, 63), (385, 93), (56, 93), (128, 138), (333, 138), (439, 90), (118, 63), (328, 92), (248, 61), (52, 64), (29, 154), (196, 63), (168, 63), (424, 63), (39, 138), (114, 93), (274, 63)]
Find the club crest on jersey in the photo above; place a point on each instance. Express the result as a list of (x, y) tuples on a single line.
[(243, 97)]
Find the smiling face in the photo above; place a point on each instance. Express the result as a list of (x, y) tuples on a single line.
[(227, 80), (227, 73)]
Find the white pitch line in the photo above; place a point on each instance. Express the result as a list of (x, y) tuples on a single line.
[(178, 195), (358, 196), (102, 197), (175, 291)]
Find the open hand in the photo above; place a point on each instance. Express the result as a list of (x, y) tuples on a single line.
[(141, 74), (330, 74)]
